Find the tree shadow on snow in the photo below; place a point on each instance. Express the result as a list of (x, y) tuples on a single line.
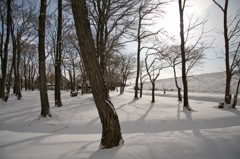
[(143, 117), (211, 149)]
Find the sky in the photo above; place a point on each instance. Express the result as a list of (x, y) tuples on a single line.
[(202, 9)]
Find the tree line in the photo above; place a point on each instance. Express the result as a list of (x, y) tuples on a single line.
[(86, 40)]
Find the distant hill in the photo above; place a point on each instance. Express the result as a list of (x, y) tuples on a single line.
[(208, 83)]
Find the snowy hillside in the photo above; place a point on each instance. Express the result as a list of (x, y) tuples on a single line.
[(209, 83), (162, 130)]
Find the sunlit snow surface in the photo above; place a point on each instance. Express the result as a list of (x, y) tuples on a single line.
[(162, 130)]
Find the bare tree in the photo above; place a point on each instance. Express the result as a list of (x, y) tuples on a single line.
[(111, 131), (110, 20), (157, 64), (41, 53), (194, 56), (127, 64), (174, 59), (231, 32), (29, 63), (193, 46), (148, 11), (71, 62), (23, 31), (183, 54)]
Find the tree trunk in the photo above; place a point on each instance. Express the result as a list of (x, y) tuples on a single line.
[(153, 91), (184, 76), (9, 83), (226, 40), (122, 88), (111, 131), (41, 53), (18, 79), (58, 101), (5, 57), (176, 83), (236, 95), (141, 89), (138, 55)]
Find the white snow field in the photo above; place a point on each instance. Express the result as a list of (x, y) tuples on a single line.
[(162, 130)]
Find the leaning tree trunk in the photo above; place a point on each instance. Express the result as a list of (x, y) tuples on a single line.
[(41, 53), (111, 131)]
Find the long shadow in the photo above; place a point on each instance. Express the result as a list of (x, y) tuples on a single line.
[(142, 119), (129, 103), (27, 140), (211, 148)]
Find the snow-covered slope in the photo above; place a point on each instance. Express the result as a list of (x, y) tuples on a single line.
[(162, 130), (209, 83)]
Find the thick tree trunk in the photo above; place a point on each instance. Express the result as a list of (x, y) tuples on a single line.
[(5, 51), (183, 53), (41, 53), (58, 101), (111, 131)]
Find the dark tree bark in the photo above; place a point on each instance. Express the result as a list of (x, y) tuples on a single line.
[(226, 40), (111, 131), (58, 58), (141, 89), (17, 82), (228, 71), (236, 95), (153, 91), (16, 46), (138, 54), (4, 58), (183, 53), (237, 89), (41, 53)]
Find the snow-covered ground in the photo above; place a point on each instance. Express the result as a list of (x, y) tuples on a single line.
[(162, 130)]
